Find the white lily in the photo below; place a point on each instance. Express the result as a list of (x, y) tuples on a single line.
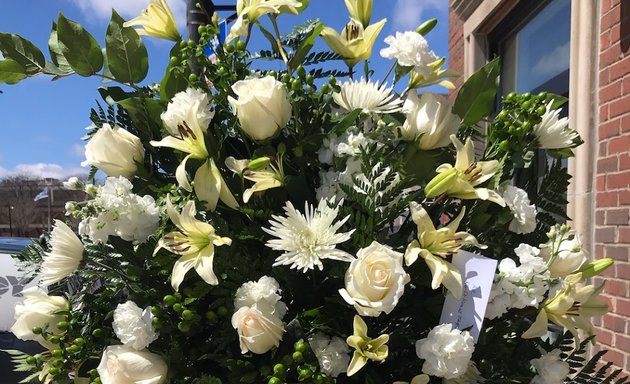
[(434, 245), (195, 242), (248, 11), (260, 171), (355, 42), (157, 21)]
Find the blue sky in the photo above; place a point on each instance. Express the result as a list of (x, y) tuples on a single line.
[(42, 122)]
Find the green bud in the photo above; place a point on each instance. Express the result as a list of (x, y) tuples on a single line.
[(300, 346), (596, 267), (440, 183), (183, 326), (169, 300), (74, 348), (37, 330), (192, 78), (31, 360), (325, 88), (177, 307), (240, 45), (229, 48), (79, 341), (54, 339), (212, 316), (63, 325), (222, 311), (259, 163), (286, 78), (296, 85), (275, 380), (188, 314), (301, 71), (297, 356), (279, 369), (97, 332), (57, 363), (54, 371), (266, 370), (305, 373), (426, 27)]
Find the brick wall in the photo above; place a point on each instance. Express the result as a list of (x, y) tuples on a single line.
[(612, 201), (455, 49)]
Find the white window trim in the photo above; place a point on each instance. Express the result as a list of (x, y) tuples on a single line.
[(583, 90)]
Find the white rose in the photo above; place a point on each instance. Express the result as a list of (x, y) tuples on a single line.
[(266, 289), (37, 310), (429, 120), (258, 329), (332, 354), (571, 256), (121, 364), (375, 280), (262, 107), (524, 212), (114, 151), (446, 351), (550, 369), (133, 326), (192, 107), (65, 255)]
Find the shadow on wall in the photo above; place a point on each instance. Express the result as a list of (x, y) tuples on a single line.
[(625, 25)]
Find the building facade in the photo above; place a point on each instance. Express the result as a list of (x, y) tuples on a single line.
[(579, 49)]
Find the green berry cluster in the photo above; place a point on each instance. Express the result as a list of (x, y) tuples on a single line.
[(300, 366)]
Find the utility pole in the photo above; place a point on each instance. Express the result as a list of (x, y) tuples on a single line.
[(196, 16), (10, 208)]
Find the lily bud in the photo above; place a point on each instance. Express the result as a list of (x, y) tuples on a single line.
[(596, 267), (440, 183), (427, 26)]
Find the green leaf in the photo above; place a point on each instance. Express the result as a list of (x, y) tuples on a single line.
[(270, 37), (401, 71), (79, 47), (22, 51), (346, 122), (11, 72), (306, 46), (55, 51), (127, 56), (476, 97), (173, 81)]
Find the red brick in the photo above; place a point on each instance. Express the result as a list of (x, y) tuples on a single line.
[(617, 253), (604, 39), (609, 129), (600, 216), (605, 235), (624, 162), (616, 288), (619, 144), (608, 164), (618, 180), (606, 199), (620, 106), (617, 217), (614, 323), (624, 198), (615, 357), (604, 336), (622, 307), (610, 91), (600, 182), (619, 68), (625, 121), (603, 112), (624, 237), (625, 87), (622, 271), (604, 75), (609, 57)]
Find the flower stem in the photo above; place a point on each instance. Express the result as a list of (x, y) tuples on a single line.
[(279, 42)]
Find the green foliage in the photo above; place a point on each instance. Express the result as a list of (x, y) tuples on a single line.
[(79, 47), (23, 52), (476, 97), (127, 57), (11, 72)]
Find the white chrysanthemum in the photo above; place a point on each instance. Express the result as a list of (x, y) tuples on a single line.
[(367, 96), (519, 286), (65, 256), (446, 351), (550, 368), (524, 213), (308, 238), (267, 290), (553, 132), (133, 326), (410, 49), (332, 353), (190, 105)]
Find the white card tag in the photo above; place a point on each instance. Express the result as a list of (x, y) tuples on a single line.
[(477, 276)]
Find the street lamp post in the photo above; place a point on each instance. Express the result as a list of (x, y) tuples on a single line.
[(10, 208)]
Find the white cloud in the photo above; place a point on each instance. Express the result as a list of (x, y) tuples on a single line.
[(408, 14), (78, 150), (128, 8), (553, 62), (44, 170)]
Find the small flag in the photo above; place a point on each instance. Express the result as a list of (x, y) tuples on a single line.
[(211, 48), (42, 195)]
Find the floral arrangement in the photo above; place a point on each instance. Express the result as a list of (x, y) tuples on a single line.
[(261, 226)]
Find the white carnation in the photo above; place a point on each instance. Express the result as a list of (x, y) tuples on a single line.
[(265, 290), (133, 326), (471, 376), (524, 213), (332, 353), (550, 368), (446, 351), (190, 105), (410, 49)]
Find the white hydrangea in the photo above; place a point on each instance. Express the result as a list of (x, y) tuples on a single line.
[(120, 212), (446, 351), (266, 289), (519, 286), (550, 368), (410, 49), (524, 212), (332, 353), (133, 327)]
